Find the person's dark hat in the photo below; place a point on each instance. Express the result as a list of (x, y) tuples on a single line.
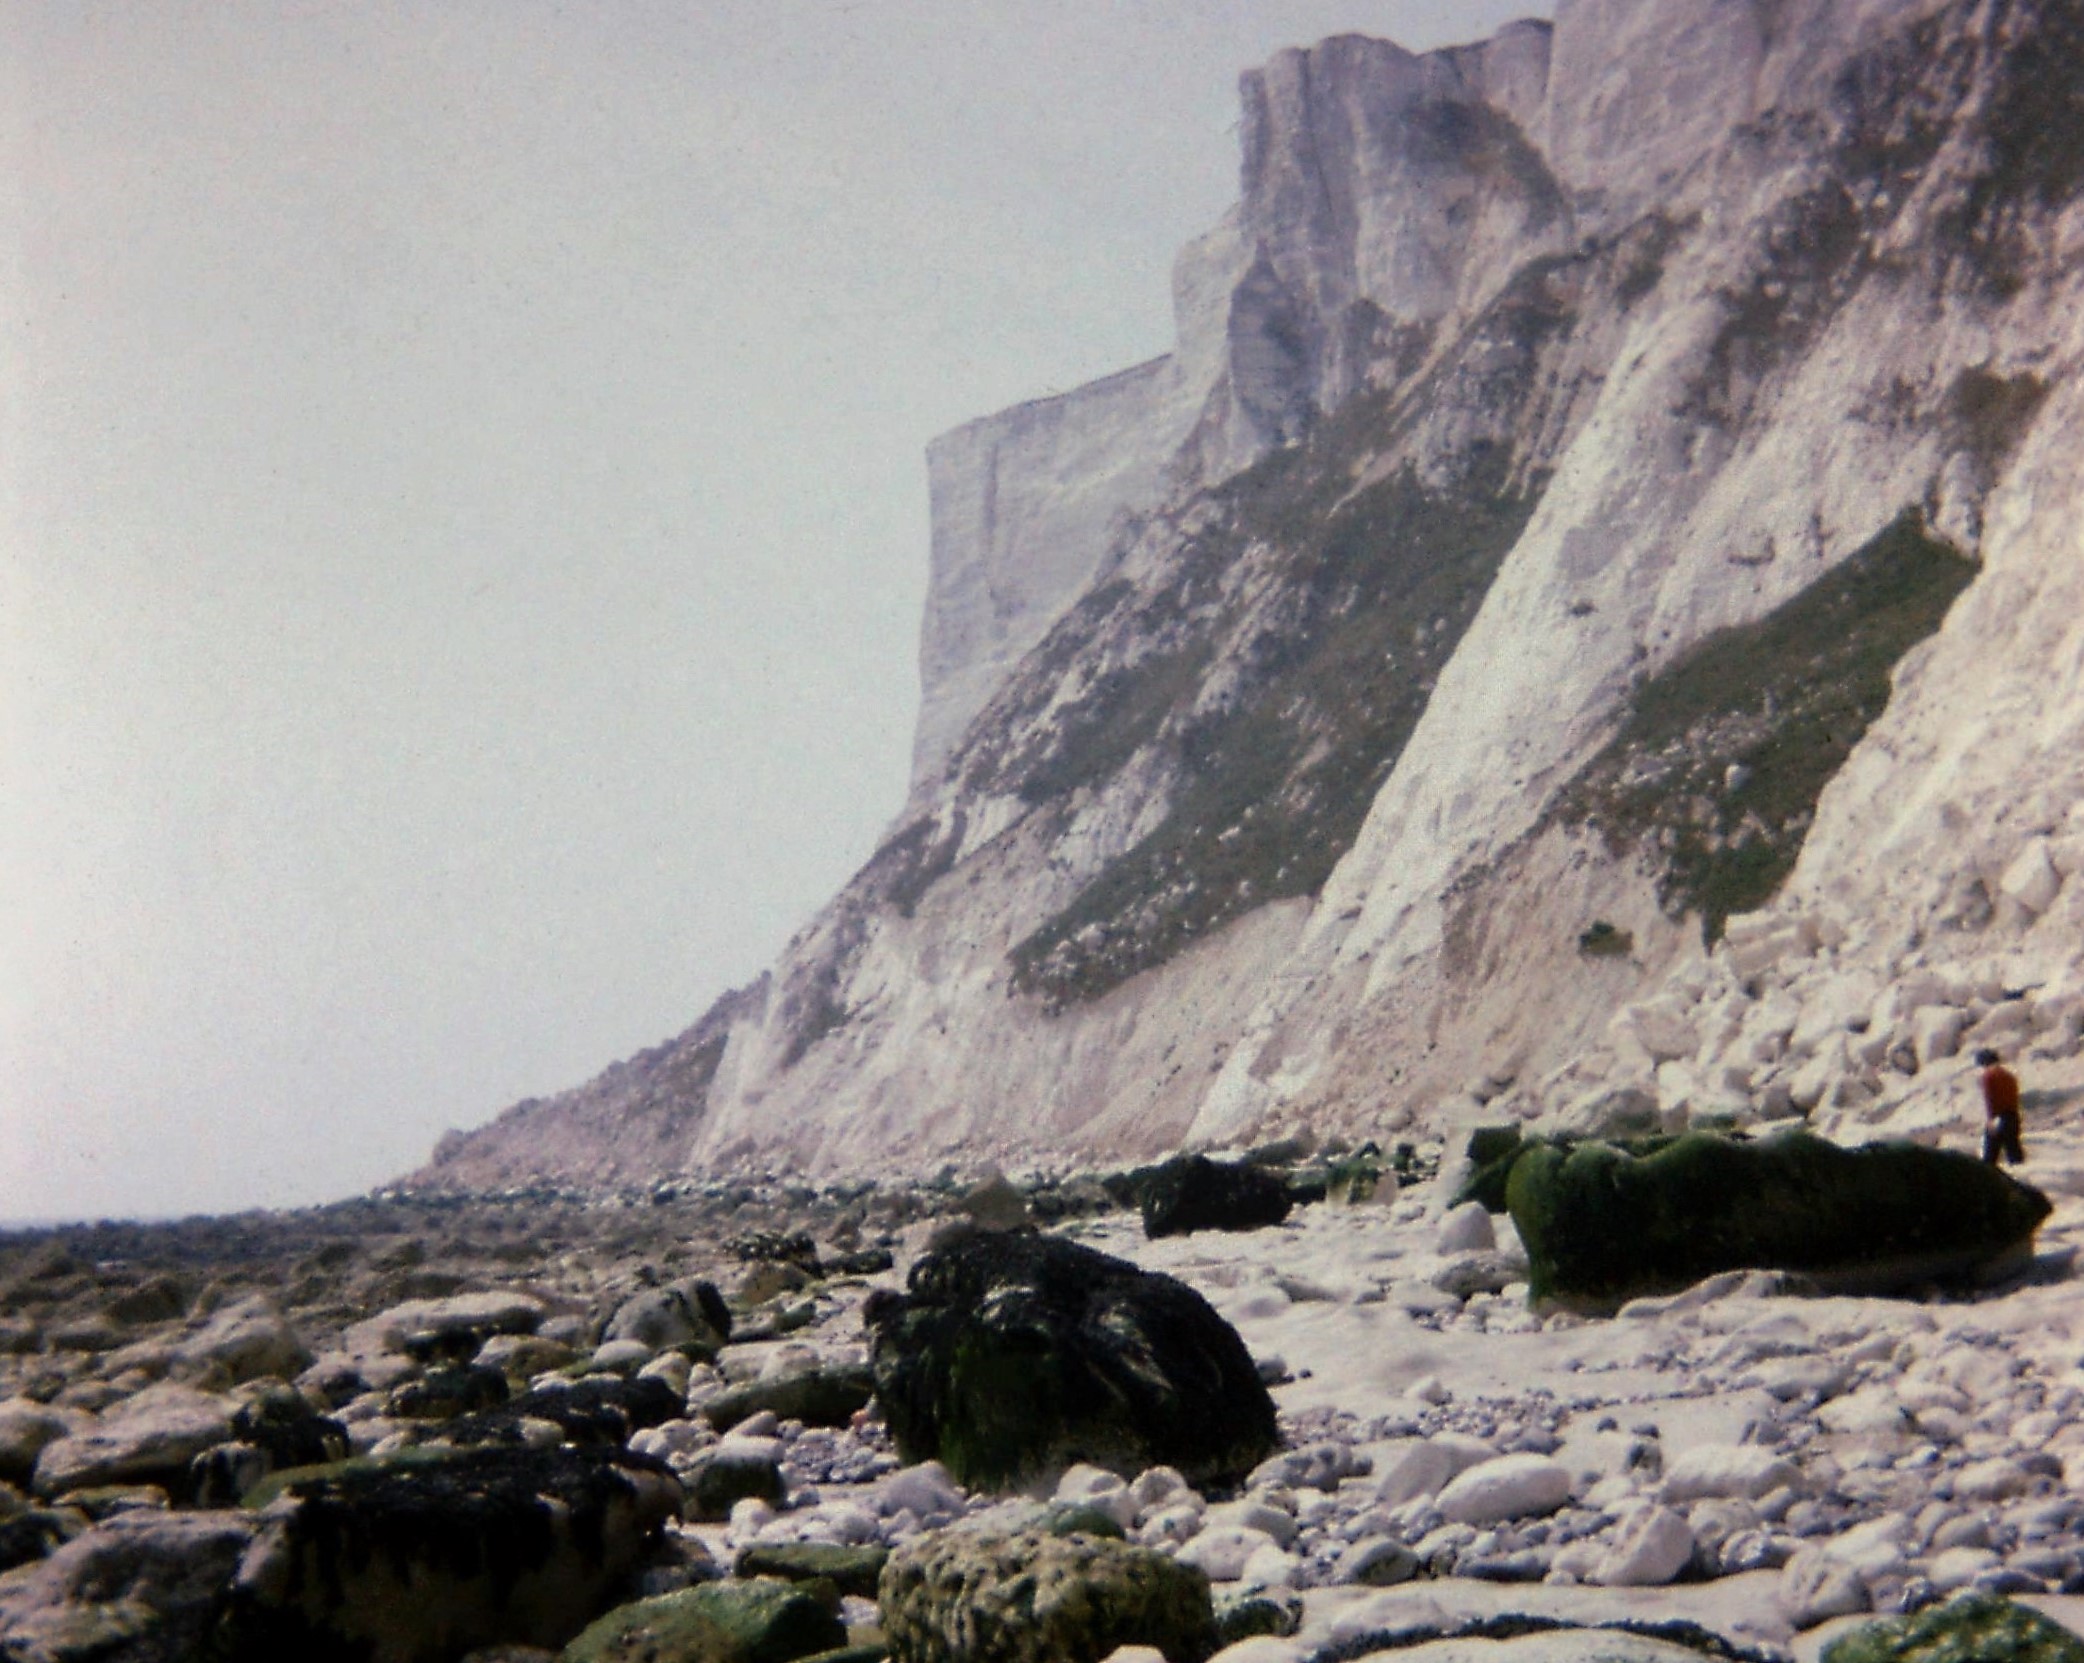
[(1987, 1058)]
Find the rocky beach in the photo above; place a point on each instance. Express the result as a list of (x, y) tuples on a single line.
[(1401, 1085), (540, 1423)]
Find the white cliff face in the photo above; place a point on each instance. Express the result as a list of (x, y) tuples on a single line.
[(1324, 725), (1380, 191), (1026, 505)]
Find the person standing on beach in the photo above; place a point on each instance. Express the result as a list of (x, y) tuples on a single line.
[(2000, 1109)]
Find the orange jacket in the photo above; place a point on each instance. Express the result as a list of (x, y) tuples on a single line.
[(2000, 1092)]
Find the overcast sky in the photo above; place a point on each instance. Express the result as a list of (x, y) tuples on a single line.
[(463, 513)]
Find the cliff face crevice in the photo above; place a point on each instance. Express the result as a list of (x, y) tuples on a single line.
[(1607, 524)]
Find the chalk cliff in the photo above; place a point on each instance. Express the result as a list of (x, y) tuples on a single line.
[(1586, 625)]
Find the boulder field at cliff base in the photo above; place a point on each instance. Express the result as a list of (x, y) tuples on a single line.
[(1771, 1467)]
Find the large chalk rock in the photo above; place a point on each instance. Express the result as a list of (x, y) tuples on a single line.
[(693, 1319), (454, 1326), (252, 1339), (1511, 1487)]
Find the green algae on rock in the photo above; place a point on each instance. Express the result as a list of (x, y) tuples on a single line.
[(852, 1570), (1602, 1226), (758, 1621), (1979, 1628), (977, 1596)]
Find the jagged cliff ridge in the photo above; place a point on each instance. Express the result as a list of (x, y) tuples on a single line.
[(1589, 614)]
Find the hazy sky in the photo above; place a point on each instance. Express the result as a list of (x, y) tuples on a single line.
[(463, 513)]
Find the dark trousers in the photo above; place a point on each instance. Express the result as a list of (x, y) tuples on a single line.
[(2001, 1137)]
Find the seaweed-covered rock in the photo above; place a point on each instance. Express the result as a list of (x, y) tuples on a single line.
[(762, 1621), (421, 1560), (1193, 1192), (976, 1596), (444, 1393), (1601, 1226), (777, 1247), (1492, 1150), (1980, 1628), (1352, 1179), (823, 1396), (1248, 1616), (294, 1434), (1015, 1355), (272, 1431), (602, 1409)]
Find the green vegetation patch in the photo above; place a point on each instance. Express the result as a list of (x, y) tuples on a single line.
[(1718, 765), (913, 860), (1601, 940), (1378, 589)]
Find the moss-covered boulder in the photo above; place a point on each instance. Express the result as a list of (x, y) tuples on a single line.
[(977, 1596), (1602, 1226), (852, 1570), (759, 1621), (421, 1561), (1013, 1356), (1980, 1628), (1193, 1193), (824, 1396)]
